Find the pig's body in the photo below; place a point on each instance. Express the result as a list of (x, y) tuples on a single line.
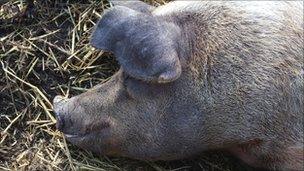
[(239, 87)]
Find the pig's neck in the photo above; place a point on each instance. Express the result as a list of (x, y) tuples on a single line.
[(206, 72)]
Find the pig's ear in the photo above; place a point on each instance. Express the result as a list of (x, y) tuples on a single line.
[(145, 46), (134, 4), (150, 66), (149, 51), (109, 29)]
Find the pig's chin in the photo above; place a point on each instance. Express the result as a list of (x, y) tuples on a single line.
[(82, 141), (100, 143)]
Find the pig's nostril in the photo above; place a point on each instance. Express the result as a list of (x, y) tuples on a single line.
[(60, 122)]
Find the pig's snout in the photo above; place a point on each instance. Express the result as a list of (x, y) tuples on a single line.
[(60, 122), (58, 103)]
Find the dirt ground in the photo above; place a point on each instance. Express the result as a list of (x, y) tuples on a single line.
[(47, 54)]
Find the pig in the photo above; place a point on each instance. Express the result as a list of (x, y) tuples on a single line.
[(196, 76)]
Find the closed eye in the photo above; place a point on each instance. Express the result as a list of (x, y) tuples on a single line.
[(137, 89), (127, 88)]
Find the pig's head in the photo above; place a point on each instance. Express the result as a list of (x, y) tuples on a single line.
[(141, 112)]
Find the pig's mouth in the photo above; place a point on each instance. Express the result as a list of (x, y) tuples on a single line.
[(99, 127), (67, 134), (74, 135)]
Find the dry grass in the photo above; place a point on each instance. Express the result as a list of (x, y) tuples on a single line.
[(47, 55)]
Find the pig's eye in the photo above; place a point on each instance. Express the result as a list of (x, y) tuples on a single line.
[(136, 88), (129, 87)]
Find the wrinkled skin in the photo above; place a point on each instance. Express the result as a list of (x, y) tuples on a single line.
[(196, 76)]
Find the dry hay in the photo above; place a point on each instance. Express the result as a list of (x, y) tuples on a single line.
[(48, 55)]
